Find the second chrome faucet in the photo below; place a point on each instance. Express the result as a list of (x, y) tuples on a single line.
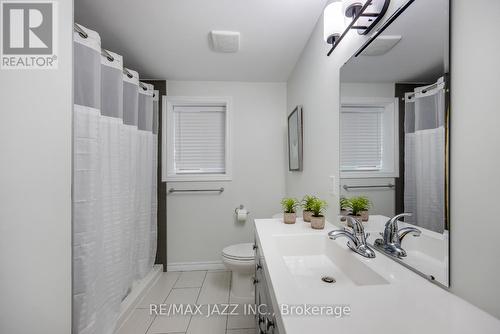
[(389, 244), (392, 237)]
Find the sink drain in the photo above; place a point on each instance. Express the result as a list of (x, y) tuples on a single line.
[(328, 279)]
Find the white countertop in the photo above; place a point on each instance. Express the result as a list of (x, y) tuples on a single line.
[(427, 253), (408, 304)]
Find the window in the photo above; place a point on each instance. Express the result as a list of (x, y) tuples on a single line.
[(361, 138), (368, 139), (197, 139)]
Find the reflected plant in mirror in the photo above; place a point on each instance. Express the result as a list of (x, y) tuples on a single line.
[(394, 136), (345, 210), (358, 207)]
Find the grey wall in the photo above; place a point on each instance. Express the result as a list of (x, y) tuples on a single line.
[(475, 140), (314, 83), (475, 153), (201, 225), (35, 193)]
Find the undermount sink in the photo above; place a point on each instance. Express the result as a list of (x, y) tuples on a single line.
[(311, 257)]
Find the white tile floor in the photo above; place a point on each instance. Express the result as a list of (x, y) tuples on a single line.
[(195, 288)]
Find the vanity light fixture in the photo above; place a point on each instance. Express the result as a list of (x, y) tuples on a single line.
[(361, 15), (351, 8), (333, 22)]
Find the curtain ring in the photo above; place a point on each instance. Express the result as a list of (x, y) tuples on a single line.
[(108, 56), (80, 31)]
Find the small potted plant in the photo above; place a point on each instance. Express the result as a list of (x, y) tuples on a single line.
[(307, 203), (289, 206), (345, 208), (359, 206), (318, 219)]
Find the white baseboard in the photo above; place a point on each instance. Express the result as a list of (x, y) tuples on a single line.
[(138, 291), (192, 266)]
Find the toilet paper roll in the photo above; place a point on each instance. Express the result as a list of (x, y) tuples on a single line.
[(242, 215)]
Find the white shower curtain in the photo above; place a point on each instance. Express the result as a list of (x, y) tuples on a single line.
[(113, 195), (86, 181), (129, 174), (154, 188), (424, 195), (110, 266), (144, 182)]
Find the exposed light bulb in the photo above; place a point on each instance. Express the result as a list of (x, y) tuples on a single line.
[(352, 7), (333, 22)]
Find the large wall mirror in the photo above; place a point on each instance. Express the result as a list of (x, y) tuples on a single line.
[(394, 130)]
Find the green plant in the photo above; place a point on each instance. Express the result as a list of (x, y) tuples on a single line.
[(345, 204), (318, 207), (307, 202), (358, 204), (289, 204)]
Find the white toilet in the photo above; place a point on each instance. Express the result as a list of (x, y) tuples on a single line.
[(240, 260)]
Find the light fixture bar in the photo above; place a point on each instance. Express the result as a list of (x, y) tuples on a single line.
[(384, 26), (362, 19), (349, 27), (370, 14)]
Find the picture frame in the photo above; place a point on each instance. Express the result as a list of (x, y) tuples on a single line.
[(295, 138)]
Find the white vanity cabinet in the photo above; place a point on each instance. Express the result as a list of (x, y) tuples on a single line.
[(264, 318)]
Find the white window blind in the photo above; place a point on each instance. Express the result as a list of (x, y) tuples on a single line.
[(199, 139), (361, 138)]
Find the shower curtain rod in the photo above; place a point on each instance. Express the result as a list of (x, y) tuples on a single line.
[(427, 88), (106, 54)]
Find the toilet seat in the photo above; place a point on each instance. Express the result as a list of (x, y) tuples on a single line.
[(239, 252)]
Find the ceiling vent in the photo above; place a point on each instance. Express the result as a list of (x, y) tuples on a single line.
[(225, 41), (381, 45)]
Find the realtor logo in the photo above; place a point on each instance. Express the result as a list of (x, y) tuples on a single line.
[(28, 35)]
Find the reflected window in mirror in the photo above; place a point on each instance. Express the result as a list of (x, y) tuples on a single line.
[(368, 138)]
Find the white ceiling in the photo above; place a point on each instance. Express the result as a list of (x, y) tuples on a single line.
[(420, 56), (168, 39)]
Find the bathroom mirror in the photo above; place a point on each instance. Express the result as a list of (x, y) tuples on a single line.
[(394, 130)]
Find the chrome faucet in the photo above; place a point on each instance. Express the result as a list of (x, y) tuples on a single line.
[(357, 238), (392, 236)]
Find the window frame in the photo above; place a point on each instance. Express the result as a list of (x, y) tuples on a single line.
[(168, 172), (391, 108)]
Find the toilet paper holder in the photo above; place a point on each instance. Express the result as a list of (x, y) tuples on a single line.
[(241, 207)]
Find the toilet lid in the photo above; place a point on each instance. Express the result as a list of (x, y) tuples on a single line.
[(239, 251)]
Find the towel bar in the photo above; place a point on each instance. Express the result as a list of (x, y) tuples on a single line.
[(173, 190), (390, 186)]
